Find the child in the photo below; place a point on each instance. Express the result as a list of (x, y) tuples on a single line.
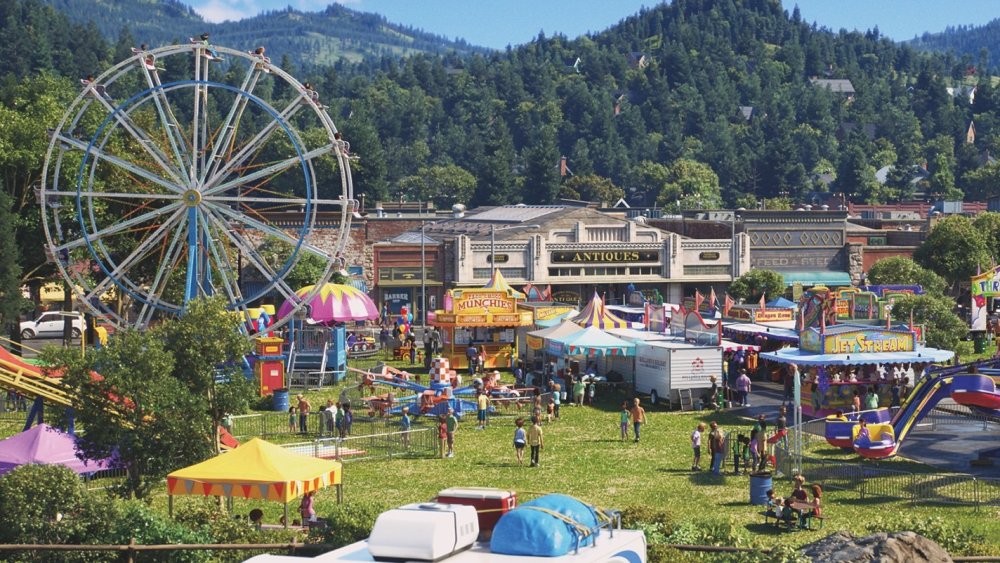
[(696, 446), (624, 418), (754, 449), (442, 435), (741, 452), (406, 425), (591, 389), (638, 418), (520, 439), (452, 425), (817, 492), (292, 420), (555, 399), (774, 507), (550, 409), (535, 440)]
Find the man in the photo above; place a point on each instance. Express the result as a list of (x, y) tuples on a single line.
[(428, 348), (743, 388), (472, 355), (330, 417), (715, 445), (304, 408), (451, 424), (436, 341), (638, 417)]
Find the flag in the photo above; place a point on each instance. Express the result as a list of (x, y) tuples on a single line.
[(763, 303), (728, 305), (713, 299), (698, 300)]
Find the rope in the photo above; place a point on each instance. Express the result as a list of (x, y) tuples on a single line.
[(578, 526)]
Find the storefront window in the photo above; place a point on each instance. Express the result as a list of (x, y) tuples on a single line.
[(487, 273)]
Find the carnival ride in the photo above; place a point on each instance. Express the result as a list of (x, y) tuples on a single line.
[(165, 183), (444, 390), (885, 433)]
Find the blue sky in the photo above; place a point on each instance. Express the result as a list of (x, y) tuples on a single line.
[(497, 23)]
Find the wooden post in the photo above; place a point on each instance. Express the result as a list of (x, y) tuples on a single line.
[(170, 505), (286, 515), (340, 493)]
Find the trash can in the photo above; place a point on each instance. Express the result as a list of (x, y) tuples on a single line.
[(279, 400), (760, 484), (979, 342)]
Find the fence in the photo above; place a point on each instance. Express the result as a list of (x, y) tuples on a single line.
[(416, 442), (870, 480)]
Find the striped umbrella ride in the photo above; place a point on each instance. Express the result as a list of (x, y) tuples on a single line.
[(595, 315), (335, 303)]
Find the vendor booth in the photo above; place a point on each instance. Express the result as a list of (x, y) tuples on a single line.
[(838, 360), (256, 470), (487, 318), (535, 342)]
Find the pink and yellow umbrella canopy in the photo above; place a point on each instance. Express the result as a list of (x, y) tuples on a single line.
[(335, 303)]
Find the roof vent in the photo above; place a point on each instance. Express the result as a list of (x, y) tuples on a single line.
[(458, 211)]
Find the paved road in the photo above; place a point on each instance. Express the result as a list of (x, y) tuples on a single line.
[(39, 343)]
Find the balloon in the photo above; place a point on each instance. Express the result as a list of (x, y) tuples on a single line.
[(409, 318)]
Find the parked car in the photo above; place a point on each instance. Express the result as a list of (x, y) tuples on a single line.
[(51, 324)]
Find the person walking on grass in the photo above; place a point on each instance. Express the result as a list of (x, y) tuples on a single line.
[(406, 424), (442, 435), (556, 399), (715, 445), (743, 388), (638, 418), (624, 417), (304, 408), (520, 440), (696, 446), (535, 440), (482, 405), (579, 389), (452, 423)]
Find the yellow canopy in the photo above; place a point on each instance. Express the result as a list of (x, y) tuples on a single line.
[(257, 469)]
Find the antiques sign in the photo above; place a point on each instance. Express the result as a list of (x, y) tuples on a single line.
[(605, 256)]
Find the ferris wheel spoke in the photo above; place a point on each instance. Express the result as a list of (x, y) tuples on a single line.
[(249, 251), (144, 139), (224, 267), (113, 195), (266, 229), (167, 118), (140, 251), (230, 124), (167, 265), (117, 161), (256, 143), (117, 228), (267, 172)]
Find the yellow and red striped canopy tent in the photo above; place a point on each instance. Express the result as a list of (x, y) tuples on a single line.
[(256, 470)]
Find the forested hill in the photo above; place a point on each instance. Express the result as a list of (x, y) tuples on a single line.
[(307, 38), (698, 103), (978, 45)]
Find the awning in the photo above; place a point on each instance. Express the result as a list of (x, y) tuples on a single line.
[(829, 279), (770, 332), (802, 358)]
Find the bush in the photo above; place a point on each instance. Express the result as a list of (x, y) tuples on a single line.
[(348, 523), (137, 521), (38, 504)]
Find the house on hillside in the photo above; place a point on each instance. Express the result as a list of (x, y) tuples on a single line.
[(637, 59), (966, 92), (840, 86)]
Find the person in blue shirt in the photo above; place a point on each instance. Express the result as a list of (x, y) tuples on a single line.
[(406, 425)]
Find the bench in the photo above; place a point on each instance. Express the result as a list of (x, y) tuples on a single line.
[(792, 523)]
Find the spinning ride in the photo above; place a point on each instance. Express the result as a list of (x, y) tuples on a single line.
[(167, 180)]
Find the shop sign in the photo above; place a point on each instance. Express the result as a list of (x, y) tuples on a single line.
[(498, 258), (708, 256), (843, 309), (739, 313), (605, 256), (546, 313), (869, 342), (774, 315), (397, 299), (472, 301), (566, 297)]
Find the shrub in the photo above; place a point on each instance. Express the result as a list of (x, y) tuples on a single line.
[(348, 523)]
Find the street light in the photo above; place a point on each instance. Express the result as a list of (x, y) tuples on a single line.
[(493, 239), (423, 279)]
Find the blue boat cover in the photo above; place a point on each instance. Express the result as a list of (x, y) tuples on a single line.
[(531, 528)]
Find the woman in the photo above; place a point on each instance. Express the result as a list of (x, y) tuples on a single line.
[(306, 508), (713, 393)]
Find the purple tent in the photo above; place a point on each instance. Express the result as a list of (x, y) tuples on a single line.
[(46, 445)]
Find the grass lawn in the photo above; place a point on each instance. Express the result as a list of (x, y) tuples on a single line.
[(650, 481)]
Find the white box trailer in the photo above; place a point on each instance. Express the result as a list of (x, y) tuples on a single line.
[(664, 367)]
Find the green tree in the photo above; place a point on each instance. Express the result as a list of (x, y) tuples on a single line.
[(307, 270), (954, 249), (904, 271), (944, 328), (12, 304), (208, 347), (690, 185), (750, 286), (444, 185), (988, 224), (590, 187)]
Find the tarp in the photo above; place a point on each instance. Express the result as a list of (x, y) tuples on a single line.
[(592, 341), (536, 338), (596, 315), (257, 469), (557, 320), (46, 445), (781, 303), (803, 358)]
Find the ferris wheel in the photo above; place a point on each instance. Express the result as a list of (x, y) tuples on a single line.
[(188, 171)]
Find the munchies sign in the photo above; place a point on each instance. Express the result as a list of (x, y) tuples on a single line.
[(472, 301)]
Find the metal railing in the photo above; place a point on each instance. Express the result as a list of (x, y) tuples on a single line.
[(871, 480), (417, 442)]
